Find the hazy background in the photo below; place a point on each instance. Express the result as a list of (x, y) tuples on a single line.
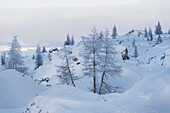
[(47, 22)]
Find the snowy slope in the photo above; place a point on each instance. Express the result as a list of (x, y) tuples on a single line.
[(150, 95), (66, 99), (144, 86), (16, 90), (131, 69)]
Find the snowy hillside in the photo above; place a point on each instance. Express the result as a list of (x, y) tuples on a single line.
[(16, 90), (150, 95), (143, 87)]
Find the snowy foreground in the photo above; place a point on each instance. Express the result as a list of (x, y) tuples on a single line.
[(144, 83), (16, 91)]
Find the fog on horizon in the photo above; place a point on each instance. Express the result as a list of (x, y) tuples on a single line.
[(48, 22)]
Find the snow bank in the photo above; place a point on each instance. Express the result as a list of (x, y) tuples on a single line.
[(17, 91), (150, 95), (66, 99), (146, 85)]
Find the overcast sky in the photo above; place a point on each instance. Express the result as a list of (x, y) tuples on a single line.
[(47, 22)]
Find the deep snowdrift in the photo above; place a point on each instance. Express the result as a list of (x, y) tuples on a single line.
[(150, 95), (145, 85), (17, 91)]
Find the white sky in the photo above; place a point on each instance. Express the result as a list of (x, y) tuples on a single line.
[(61, 3), (47, 22)]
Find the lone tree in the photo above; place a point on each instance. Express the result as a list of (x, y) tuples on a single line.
[(108, 68), (3, 58), (135, 54), (125, 55), (150, 34), (67, 42), (146, 33), (114, 33), (169, 31), (15, 58), (44, 49), (159, 40), (38, 57), (65, 70), (90, 51), (49, 56), (158, 29), (33, 57), (101, 35), (72, 41)]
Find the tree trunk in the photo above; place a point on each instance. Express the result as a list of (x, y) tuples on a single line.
[(70, 73), (105, 63), (100, 89), (94, 72)]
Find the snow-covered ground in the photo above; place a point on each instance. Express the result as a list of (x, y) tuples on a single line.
[(16, 91), (144, 84), (149, 95)]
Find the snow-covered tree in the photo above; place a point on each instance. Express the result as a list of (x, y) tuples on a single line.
[(150, 34), (49, 56), (90, 52), (33, 57), (158, 29), (108, 68), (72, 41), (159, 40), (68, 39), (169, 31), (101, 35), (3, 58), (38, 57), (67, 42), (146, 33), (125, 55), (114, 33), (135, 54), (44, 49), (15, 60), (66, 70)]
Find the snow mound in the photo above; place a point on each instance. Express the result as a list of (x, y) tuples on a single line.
[(67, 99), (17, 91), (150, 95)]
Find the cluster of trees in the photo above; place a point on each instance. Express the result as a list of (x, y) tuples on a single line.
[(148, 35), (39, 56), (158, 31), (68, 41), (98, 55), (14, 58), (103, 54)]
